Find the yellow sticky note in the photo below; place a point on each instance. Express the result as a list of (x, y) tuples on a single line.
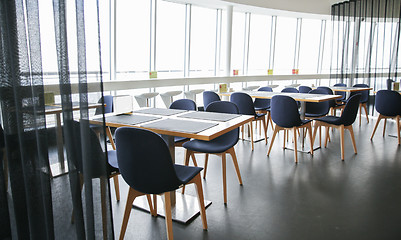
[(223, 87), (153, 74), (270, 72), (49, 98)]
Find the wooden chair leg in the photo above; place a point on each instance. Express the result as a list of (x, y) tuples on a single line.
[(116, 187), (188, 153), (384, 127), (169, 220), (153, 208), (223, 162), (271, 122), (366, 111), (132, 194), (351, 131), (285, 136), (194, 159), (327, 136), (317, 125), (231, 151), (276, 129), (342, 141), (295, 144), (265, 129), (360, 114), (205, 168), (377, 124), (199, 190)]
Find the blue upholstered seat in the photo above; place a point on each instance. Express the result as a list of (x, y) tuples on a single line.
[(316, 110), (344, 94), (222, 144), (363, 102), (388, 105), (284, 113), (261, 104), (146, 165)]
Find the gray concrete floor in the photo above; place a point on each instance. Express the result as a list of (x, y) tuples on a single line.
[(321, 197)]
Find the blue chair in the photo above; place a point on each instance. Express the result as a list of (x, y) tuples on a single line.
[(388, 105), (290, 90), (263, 105), (97, 158), (364, 101), (304, 89), (220, 145), (334, 105), (183, 104), (209, 97), (345, 121), (284, 112), (245, 105), (316, 110), (146, 165), (343, 94)]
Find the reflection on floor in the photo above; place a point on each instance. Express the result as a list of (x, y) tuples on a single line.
[(321, 197)]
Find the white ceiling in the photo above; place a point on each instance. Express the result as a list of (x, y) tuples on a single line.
[(282, 7)]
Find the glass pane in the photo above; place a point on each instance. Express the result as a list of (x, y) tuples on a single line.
[(309, 49), (133, 39), (237, 44), (259, 44), (170, 39), (285, 45)]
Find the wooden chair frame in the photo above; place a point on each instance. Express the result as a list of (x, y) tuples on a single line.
[(263, 119), (230, 151), (277, 128), (132, 194), (397, 118)]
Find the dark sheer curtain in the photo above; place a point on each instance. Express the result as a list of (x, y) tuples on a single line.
[(33, 204), (365, 42)]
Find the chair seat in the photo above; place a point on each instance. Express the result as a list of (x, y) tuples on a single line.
[(112, 158), (213, 146), (186, 173), (314, 115), (258, 115), (330, 119), (262, 108), (180, 139)]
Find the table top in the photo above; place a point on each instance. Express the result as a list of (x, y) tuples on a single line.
[(349, 89), (56, 108), (302, 97), (212, 129)]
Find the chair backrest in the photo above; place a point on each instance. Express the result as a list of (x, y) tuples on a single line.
[(244, 103), (388, 103), (350, 110), (321, 108), (344, 94), (290, 90), (184, 104), (365, 94), (96, 158), (208, 97), (145, 162), (328, 91), (231, 138), (260, 102), (304, 89), (389, 83), (108, 100), (284, 111)]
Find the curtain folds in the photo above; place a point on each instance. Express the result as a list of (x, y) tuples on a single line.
[(33, 203), (365, 43)]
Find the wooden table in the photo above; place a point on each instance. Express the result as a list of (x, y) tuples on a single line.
[(57, 110), (184, 207)]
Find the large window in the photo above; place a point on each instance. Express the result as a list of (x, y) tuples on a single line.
[(309, 49), (133, 39), (170, 39), (203, 41), (259, 44), (285, 45)]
